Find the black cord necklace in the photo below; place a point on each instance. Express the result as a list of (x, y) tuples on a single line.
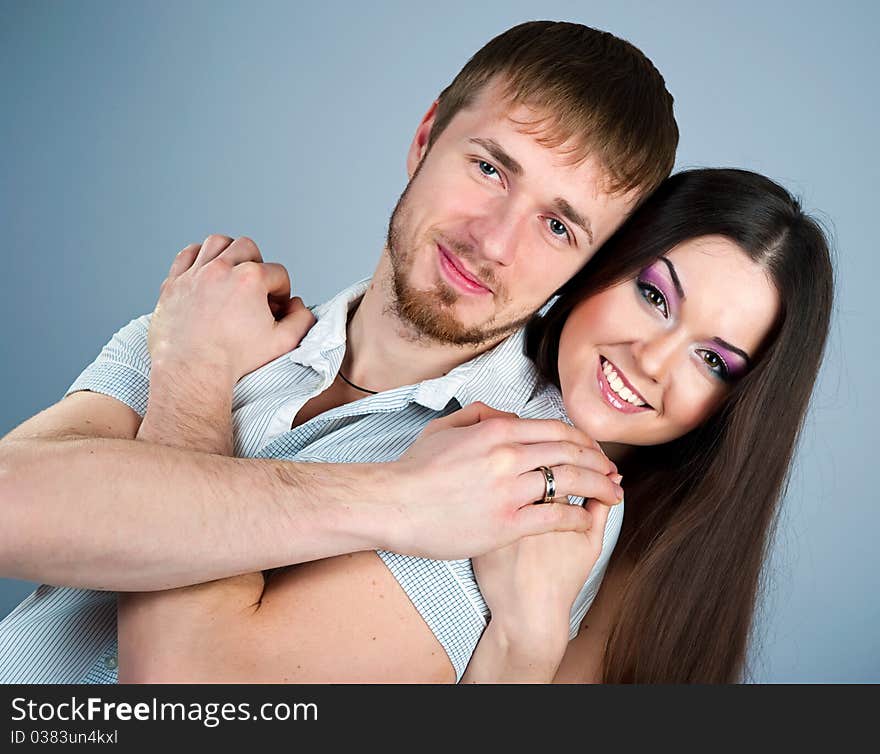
[(356, 387)]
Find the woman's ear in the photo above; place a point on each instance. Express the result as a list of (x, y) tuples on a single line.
[(419, 145)]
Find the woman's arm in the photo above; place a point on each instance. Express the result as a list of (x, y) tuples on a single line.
[(515, 657), (535, 657), (585, 655)]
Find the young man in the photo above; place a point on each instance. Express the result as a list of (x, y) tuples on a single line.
[(520, 170)]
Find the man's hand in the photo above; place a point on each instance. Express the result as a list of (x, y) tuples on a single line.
[(470, 480), (214, 323), (224, 312)]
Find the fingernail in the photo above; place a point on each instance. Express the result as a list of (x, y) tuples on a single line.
[(616, 478)]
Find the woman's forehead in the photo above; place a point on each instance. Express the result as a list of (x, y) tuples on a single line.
[(725, 290)]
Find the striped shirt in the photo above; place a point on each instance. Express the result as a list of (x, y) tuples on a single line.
[(66, 635)]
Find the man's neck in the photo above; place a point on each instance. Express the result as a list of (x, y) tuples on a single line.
[(383, 352)]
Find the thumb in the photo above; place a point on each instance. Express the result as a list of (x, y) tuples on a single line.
[(294, 322), (473, 413), (599, 514)]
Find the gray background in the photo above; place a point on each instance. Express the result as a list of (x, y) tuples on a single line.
[(131, 129)]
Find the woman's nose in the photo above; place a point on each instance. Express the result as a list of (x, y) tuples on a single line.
[(656, 353)]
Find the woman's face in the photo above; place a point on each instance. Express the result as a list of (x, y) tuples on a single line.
[(650, 359)]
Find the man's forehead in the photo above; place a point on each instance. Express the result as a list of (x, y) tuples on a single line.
[(531, 138)]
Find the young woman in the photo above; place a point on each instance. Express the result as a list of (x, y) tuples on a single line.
[(688, 349)]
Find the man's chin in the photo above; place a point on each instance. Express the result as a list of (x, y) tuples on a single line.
[(430, 316)]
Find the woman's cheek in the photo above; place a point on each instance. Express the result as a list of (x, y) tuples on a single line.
[(691, 409)]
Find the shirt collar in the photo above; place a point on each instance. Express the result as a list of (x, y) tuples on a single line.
[(503, 377), (328, 333)]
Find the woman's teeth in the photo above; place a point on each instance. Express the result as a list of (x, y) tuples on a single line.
[(618, 387)]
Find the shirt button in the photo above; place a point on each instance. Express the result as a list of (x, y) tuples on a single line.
[(111, 662)]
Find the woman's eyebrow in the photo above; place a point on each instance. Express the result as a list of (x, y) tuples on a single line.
[(730, 347), (675, 281)]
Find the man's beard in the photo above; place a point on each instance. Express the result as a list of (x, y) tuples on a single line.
[(429, 313)]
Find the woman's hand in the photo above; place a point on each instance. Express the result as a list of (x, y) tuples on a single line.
[(530, 587), (531, 584)]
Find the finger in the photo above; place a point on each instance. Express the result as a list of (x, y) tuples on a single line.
[(293, 326), (473, 413), (277, 281), (183, 261), (242, 249), (599, 515), (558, 453), (211, 248), (570, 480), (538, 519), (528, 431)]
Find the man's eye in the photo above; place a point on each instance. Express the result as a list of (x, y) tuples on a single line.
[(654, 297), (486, 168), (557, 228), (715, 363)]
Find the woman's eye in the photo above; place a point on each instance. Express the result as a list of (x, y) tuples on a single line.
[(557, 228), (654, 297), (715, 363)]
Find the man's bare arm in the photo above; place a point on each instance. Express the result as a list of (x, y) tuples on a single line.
[(80, 505), (84, 504), (343, 619)]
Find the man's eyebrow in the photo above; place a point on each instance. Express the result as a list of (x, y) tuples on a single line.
[(675, 281), (570, 213), (512, 166), (498, 153), (730, 347)]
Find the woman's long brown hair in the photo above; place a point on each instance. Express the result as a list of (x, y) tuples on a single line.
[(700, 511)]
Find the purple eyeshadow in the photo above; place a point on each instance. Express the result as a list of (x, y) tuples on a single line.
[(655, 277), (736, 365)]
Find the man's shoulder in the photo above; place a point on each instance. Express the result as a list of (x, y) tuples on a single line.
[(545, 402)]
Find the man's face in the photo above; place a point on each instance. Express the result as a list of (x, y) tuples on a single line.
[(492, 223)]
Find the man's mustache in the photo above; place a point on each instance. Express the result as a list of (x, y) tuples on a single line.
[(469, 254)]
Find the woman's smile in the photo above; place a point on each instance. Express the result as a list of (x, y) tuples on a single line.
[(618, 391), (660, 344)]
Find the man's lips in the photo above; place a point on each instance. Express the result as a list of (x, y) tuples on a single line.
[(466, 279)]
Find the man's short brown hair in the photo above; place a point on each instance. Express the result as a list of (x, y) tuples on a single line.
[(590, 86)]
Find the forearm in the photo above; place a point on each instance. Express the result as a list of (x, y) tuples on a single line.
[(184, 411), (197, 419), (130, 515), (503, 657)]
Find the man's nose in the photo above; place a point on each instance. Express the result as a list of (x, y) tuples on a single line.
[(496, 232), (656, 352)]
